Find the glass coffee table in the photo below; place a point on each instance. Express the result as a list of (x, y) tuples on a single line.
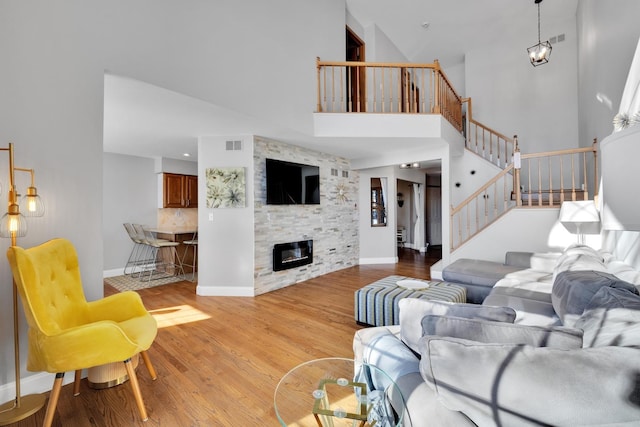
[(337, 392)]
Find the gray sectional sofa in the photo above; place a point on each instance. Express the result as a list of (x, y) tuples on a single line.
[(555, 342)]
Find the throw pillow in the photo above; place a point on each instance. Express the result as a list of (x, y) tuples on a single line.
[(412, 310), (514, 385), (579, 257), (612, 317), (503, 333), (572, 291)]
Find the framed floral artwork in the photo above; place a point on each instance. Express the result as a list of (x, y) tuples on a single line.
[(226, 187)]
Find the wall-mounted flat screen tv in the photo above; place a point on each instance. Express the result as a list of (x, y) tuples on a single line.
[(292, 183)]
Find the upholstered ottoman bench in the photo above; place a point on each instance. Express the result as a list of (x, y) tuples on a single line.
[(377, 303)]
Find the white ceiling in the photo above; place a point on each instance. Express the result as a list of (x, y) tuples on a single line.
[(144, 120)]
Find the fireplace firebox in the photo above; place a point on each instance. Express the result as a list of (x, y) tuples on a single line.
[(293, 254)]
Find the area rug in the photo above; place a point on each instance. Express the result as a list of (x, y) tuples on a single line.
[(128, 283)]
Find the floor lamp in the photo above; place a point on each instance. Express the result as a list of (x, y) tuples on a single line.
[(14, 225)]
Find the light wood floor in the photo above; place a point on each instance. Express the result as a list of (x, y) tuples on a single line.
[(219, 359)]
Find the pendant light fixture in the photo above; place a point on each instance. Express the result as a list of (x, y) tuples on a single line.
[(539, 54)]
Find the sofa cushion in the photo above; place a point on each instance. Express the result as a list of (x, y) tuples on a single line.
[(579, 257), (612, 317), (412, 310), (531, 302), (514, 385), (544, 261), (422, 406), (476, 272), (499, 332), (572, 291)]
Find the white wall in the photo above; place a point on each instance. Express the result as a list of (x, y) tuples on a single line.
[(184, 167), (608, 33), (225, 236), (539, 104), (129, 194), (528, 230), (52, 103), (377, 244), (471, 172)]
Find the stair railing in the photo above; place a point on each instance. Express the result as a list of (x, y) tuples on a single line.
[(549, 178), (535, 180), (482, 208), (486, 142)]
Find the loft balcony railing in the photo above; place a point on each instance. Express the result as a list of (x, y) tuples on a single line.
[(531, 181), (371, 87)]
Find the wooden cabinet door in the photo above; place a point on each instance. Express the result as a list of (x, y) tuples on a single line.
[(173, 190), (191, 191)]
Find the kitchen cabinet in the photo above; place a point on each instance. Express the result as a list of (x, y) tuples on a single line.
[(179, 191)]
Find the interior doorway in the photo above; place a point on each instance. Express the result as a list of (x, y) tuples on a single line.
[(356, 76)]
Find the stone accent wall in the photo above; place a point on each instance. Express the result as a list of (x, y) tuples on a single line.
[(332, 225)]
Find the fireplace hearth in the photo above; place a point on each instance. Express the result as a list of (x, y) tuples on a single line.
[(292, 254)]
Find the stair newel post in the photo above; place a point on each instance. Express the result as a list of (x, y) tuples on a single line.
[(517, 165), (595, 171), (318, 67), (437, 93)]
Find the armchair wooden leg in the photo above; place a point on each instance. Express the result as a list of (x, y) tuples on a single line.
[(147, 363), (53, 400), (76, 382), (133, 379)]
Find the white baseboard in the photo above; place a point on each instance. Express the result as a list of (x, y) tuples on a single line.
[(113, 273), (33, 384), (225, 291), (389, 260)]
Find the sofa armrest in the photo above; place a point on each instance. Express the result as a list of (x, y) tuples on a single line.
[(363, 337)]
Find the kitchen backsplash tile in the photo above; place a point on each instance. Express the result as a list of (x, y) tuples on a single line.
[(177, 217)]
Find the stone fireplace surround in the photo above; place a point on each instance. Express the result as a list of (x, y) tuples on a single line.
[(332, 225)]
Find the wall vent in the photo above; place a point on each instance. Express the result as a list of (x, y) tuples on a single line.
[(234, 145)]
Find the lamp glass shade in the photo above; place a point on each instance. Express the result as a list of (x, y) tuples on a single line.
[(580, 217), (13, 225), (31, 204), (540, 53)]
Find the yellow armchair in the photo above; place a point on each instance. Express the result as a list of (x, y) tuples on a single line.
[(68, 333)]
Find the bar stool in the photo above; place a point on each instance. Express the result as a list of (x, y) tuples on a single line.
[(161, 263), (136, 251), (193, 243)]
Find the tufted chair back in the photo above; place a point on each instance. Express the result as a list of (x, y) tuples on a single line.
[(50, 286)]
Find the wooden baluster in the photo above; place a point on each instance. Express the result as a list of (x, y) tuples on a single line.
[(561, 180), (375, 92), (421, 103), (539, 184), (343, 90), (584, 173), (319, 106), (495, 200), (382, 90), (333, 87), (573, 180), (551, 201)]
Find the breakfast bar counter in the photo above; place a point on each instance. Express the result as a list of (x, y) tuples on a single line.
[(180, 234)]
